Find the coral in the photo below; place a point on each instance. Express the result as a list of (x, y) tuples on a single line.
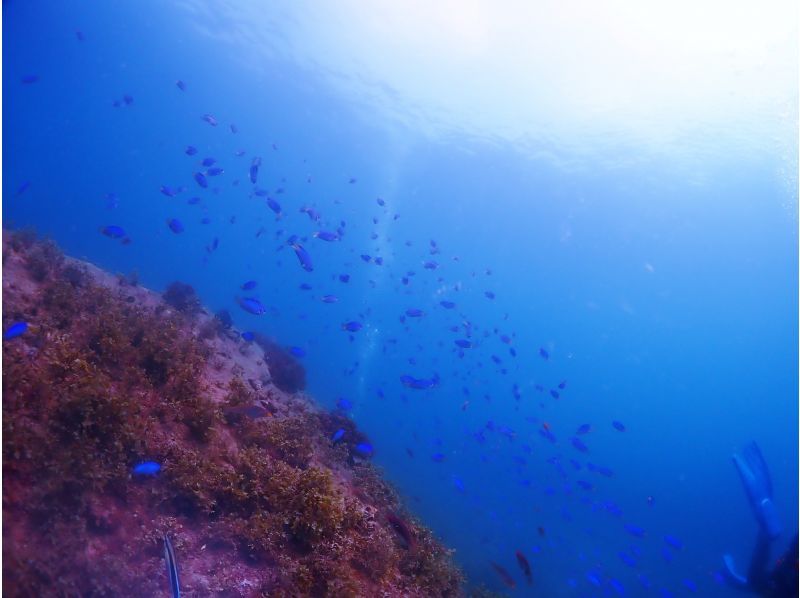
[(259, 504)]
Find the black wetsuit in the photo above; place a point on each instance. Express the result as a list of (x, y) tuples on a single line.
[(782, 581)]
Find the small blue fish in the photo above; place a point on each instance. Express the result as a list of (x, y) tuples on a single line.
[(252, 305), (325, 235), (22, 188), (201, 179), (305, 287), (297, 352), (248, 336), (329, 299), (352, 326), (337, 435), (489, 294), (344, 404), (593, 579), (254, 165), (619, 426), (302, 255), (437, 457), (274, 206), (617, 585), (190, 150), (547, 435), (365, 449), (634, 530), (419, 383), (463, 343), (601, 469), (113, 231), (215, 171), (312, 213), (627, 559), (249, 285), (147, 468), (344, 278), (169, 191), (181, 85), (175, 225), (584, 429), (15, 330), (414, 312), (674, 542), (28, 79), (209, 118), (578, 444), (543, 353), (447, 304), (430, 265)]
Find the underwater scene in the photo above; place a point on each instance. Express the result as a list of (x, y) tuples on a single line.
[(400, 298)]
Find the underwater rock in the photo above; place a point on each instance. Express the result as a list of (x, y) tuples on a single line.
[(182, 297), (224, 318), (243, 477), (288, 374)]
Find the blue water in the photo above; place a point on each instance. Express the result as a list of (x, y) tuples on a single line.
[(651, 252)]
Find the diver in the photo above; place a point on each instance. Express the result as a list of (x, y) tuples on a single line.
[(782, 580)]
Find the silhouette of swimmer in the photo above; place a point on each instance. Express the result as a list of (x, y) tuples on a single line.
[(782, 580)]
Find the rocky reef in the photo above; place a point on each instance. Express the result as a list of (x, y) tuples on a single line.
[(255, 496)]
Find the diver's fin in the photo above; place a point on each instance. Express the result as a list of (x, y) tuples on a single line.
[(757, 483), (730, 570), (757, 461)]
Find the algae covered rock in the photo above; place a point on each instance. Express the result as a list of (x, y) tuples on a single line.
[(124, 422)]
